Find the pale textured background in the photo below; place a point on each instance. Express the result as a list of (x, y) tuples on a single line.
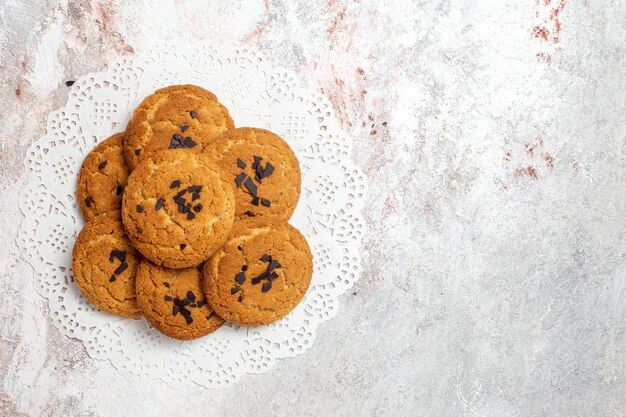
[(493, 135)]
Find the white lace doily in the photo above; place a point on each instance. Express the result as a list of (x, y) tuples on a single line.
[(257, 95)]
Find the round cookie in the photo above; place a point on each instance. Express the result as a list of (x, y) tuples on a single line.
[(260, 274), (178, 116), (104, 265), (173, 302), (177, 208), (263, 169), (102, 178)]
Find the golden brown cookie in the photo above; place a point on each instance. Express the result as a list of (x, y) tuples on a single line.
[(263, 169), (178, 116), (177, 208), (102, 178), (173, 302), (105, 263), (260, 274)]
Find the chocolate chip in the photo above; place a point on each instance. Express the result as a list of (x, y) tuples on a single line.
[(269, 169), (210, 315), (273, 265), (240, 278), (188, 142), (180, 193), (139, 230), (265, 202), (186, 301), (121, 268), (191, 215), (244, 268), (201, 303), (159, 204), (166, 284), (249, 213), (119, 254), (197, 208), (119, 190), (266, 257), (257, 158), (191, 296), (180, 200), (188, 208), (255, 201), (259, 173), (195, 196), (182, 246), (239, 179), (256, 280), (240, 298), (112, 279), (102, 165), (175, 310), (267, 286), (188, 318), (167, 298), (273, 275), (194, 188), (233, 290), (181, 208), (192, 305), (69, 83), (184, 127), (88, 201), (193, 114), (239, 248), (175, 184), (137, 151), (241, 164), (177, 136), (139, 209)]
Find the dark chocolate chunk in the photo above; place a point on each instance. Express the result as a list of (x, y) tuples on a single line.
[(184, 127), (244, 268), (192, 305), (266, 257), (210, 315), (240, 278), (177, 136), (239, 179), (180, 193), (119, 254), (249, 213), (191, 215), (188, 142), (166, 284), (175, 184), (195, 196), (188, 318), (241, 164), (255, 201), (121, 268), (175, 309), (267, 286), (273, 275), (194, 188), (239, 248), (233, 290), (139, 230), (183, 246), (191, 295), (197, 208), (256, 280), (193, 114), (257, 158), (88, 201), (201, 303), (167, 298), (139, 209), (273, 265), (240, 298), (69, 83), (137, 151), (186, 301), (159, 204), (181, 208), (269, 169), (112, 279), (265, 202), (102, 164), (179, 200), (259, 172), (119, 190)]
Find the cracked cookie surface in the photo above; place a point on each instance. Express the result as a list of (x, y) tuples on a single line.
[(178, 116), (173, 302), (102, 178), (105, 263), (262, 168), (177, 208), (260, 274)]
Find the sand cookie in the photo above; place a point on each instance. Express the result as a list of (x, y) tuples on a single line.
[(102, 178), (260, 274), (263, 169), (177, 208), (104, 264), (179, 116)]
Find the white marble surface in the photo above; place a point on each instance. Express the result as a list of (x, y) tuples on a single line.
[(493, 135)]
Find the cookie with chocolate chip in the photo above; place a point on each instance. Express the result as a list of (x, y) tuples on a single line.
[(178, 208), (105, 263), (102, 178), (260, 274), (262, 167), (173, 302), (174, 117)]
